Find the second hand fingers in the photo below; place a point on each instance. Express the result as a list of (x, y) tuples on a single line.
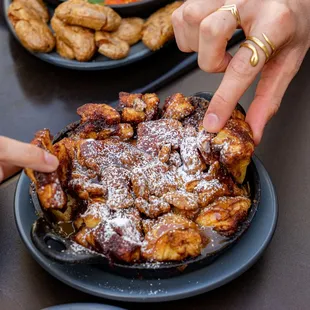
[(26, 155)]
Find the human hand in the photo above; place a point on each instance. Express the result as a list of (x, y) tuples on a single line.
[(15, 154), (200, 27)]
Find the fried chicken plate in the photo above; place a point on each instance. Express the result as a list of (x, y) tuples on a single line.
[(143, 185)]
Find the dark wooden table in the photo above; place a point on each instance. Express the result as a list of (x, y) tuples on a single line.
[(35, 95)]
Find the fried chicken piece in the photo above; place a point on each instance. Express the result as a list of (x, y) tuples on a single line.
[(154, 134), (172, 238), (158, 29), (111, 46), (137, 108), (235, 146), (38, 6), (31, 30), (48, 187), (152, 208), (74, 40), (225, 214), (130, 30), (98, 111), (84, 14), (177, 107), (191, 157)]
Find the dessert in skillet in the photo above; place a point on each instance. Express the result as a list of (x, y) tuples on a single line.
[(144, 184)]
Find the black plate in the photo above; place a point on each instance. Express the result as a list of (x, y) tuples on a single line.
[(64, 250), (83, 306), (142, 8), (96, 281), (99, 62)]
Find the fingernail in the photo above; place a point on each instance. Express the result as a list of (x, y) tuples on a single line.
[(51, 160), (211, 122)]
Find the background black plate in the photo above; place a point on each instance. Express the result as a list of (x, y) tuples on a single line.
[(95, 281), (99, 62)]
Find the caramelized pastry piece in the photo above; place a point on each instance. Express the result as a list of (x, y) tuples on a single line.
[(84, 14), (192, 160), (189, 214), (74, 40), (195, 119), (164, 153), (64, 150), (48, 186), (130, 30), (204, 144), (152, 208), (67, 214), (225, 214), (38, 6), (117, 181), (147, 225), (98, 111), (172, 238), (177, 107), (182, 200), (119, 237), (154, 134), (137, 108), (158, 28), (235, 146), (139, 185), (111, 46), (32, 31)]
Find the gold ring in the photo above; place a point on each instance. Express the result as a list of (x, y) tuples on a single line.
[(233, 10), (254, 58), (272, 46), (260, 44)]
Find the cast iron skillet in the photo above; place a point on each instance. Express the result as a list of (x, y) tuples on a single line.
[(142, 8), (60, 249)]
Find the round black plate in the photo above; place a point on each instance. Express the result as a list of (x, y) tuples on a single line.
[(99, 62), (95, 281), (83, 306)]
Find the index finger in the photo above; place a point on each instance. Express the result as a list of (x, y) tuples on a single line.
[(239, 75), (26, 155)]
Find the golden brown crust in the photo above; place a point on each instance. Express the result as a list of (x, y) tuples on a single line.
[(38, 6), (111, 46), (130, 30), (48, 186), (74, 40), (158, 28), (33, 33), (177, 107), (84, 14), (225, 214), (172, 238)]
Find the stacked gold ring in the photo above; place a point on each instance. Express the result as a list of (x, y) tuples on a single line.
[(254, 58), (232, 8)]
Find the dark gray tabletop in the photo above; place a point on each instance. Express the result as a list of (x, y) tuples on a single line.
[(35, 95)]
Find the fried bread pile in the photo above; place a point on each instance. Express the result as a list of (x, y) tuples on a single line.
[(80, 29), (142, 183)]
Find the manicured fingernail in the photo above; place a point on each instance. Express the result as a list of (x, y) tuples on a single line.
[(211, 122), (51, 160)]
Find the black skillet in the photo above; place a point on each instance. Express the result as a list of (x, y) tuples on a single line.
[(63, 250)]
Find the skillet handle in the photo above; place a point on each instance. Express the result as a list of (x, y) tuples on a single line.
[(59, 249)]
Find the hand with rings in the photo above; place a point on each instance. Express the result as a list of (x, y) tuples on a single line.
[(277, 40)]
